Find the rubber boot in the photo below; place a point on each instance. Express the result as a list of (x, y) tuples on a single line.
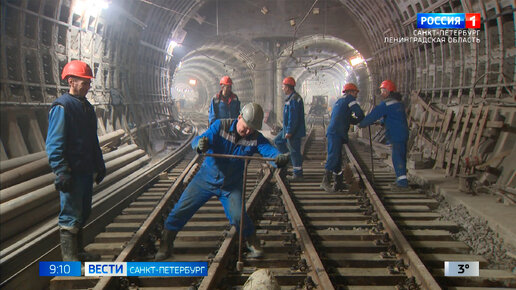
[(254, 247), (399, 188), (69, 249), (166, 245), (82, 254), (339, 184), (326, 182), (296, 177)]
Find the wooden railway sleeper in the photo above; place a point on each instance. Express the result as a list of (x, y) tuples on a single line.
[(384, 241), (408, 284)]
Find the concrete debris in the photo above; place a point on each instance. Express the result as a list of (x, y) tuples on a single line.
[(477, 234), (262, 279)]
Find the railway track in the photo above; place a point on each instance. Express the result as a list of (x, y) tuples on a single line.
[(364, 237)]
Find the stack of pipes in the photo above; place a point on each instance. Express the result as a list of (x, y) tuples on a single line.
[(28, 195)]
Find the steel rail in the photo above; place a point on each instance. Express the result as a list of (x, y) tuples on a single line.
[(221, 259), (320, 276), (143, 231), (415, 265), (43, 245)]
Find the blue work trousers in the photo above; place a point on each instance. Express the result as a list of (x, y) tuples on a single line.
[(197, 193), (76, 204), (399, 161), (334, 158), (292, 145)]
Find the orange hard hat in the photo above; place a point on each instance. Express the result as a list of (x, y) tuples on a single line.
[(77, 68), (350, 87), (226, 81), (388, 85), (289, 81)]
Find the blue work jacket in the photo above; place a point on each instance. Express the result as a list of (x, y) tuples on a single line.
[(342, 118), (72, 143), (220, 109), (294, 116), (392, 111), (224, 139)]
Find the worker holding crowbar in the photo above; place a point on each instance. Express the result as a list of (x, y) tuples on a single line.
[(223, 177)]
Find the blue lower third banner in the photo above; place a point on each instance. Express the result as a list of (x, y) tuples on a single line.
[(172, 269), (60, 268)]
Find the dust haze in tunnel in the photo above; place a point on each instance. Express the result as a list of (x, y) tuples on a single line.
[(257, 51), (319, 63)]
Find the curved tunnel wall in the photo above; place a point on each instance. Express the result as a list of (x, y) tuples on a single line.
[(128, 48)]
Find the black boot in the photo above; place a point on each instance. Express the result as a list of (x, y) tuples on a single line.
[(339, 184), (82, 254), (254, 247), (326, 182), (165, 245), (69, 249)]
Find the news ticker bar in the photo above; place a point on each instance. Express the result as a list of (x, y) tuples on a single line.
[(167, 269), (448, 20), (182, 269)]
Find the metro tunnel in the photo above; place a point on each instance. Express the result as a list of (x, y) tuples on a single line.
[(155, 69)]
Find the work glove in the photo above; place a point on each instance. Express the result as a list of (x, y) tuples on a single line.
[(63, 182), (101, 173), (281, 160), (203, 145)]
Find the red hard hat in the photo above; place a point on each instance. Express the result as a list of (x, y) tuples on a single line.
[(350, 87), (77, 68), (226, 81), (388, 85), (289, 81)]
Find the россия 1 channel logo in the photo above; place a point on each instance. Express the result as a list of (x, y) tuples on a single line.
[(448, 20)]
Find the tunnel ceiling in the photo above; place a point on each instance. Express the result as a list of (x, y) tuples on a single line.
[(128, 45)]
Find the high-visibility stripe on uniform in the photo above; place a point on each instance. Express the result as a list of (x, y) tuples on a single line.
[(352, 103), (391, 102), (402, 177), (232, 139)]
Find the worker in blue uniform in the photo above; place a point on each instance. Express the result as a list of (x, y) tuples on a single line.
[(74, 155), (222, 177), (224, 105), (392, 110), (294, 128), (345, 112)]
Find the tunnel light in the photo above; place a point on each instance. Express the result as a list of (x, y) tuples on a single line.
[(192, 82), (264, 10), (356, 60), (315, 11), (90, 7), (292, 22)]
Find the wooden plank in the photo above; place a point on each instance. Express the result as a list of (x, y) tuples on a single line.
[(461, 140), (480, 130), (441, 147), (472, 133), (452, 141)]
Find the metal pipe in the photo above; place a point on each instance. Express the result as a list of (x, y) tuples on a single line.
[(40, 166), (240, 264), (19, 205), (119, 152), (216, 155), (24, 172), (19, 161), (110, 137), (19, 189)]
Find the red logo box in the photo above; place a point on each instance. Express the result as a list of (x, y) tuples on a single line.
[(472, 20)]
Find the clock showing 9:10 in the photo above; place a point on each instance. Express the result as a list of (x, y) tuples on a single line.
[(60, 268)]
